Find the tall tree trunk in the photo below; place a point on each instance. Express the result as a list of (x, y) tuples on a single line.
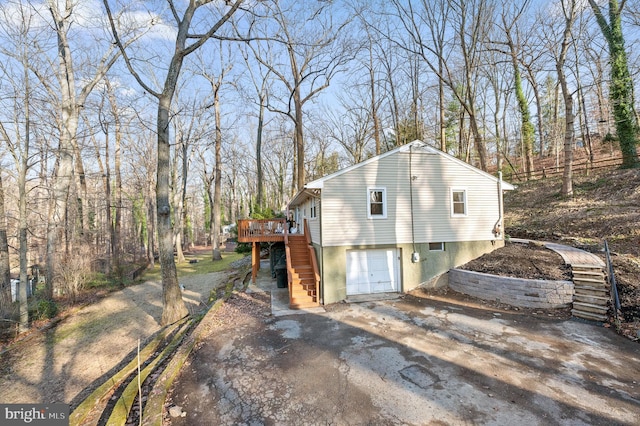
[(83, 209), (173, 305), (478, 139), (527, 128), (567, 176), (183, 196), (22, 237), (117, 225), (442, 107), (299, 139), (151, 225), (178, 201), (5, 266), (621, 85), (496, 121), (536, 95), (260, 182), (217, 191), (107, 189), (22, 204), (374, 102)]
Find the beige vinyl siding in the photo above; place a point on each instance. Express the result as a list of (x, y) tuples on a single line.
[(344, 202), (314, 224), (304, 211)]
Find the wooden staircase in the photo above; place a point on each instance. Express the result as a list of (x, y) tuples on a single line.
[(303, 279), (591, 293)]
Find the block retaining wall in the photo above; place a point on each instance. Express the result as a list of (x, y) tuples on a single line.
[(512, 291)]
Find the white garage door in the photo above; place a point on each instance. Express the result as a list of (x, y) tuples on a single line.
[(372, 271)]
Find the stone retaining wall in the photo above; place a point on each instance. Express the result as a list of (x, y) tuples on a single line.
[(512, 291)]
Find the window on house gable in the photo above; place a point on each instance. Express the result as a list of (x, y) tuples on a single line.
[(377, 203), (458, 202)]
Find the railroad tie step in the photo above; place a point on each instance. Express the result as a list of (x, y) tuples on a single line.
[(591, 291), (592, 281), (586, 267), (590, 299), (589, 307), (587, 274), (588, 315)]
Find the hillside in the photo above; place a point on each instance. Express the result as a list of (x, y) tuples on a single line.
[(605, 206)]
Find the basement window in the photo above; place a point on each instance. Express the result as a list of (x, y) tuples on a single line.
[(436, 246)]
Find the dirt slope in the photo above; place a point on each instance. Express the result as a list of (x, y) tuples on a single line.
[(57, 364), (605, 206)]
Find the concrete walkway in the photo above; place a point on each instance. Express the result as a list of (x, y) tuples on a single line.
[(279, 296), (570, 255)]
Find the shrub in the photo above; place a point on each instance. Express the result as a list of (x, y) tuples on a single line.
[(44, 309), (243, 248), (74, 271)]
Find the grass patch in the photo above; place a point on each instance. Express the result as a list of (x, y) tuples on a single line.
[(100, 281), (87, 330), (204, 266), (590, 185)]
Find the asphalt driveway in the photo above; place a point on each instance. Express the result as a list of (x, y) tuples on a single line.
[(414, 360)]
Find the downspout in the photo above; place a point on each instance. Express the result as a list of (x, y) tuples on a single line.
[(415, 256), (320, 232), (497, 228)]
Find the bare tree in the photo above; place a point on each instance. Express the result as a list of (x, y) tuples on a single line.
[(313, 51), (261, 84), (499, 79), (559, 45), (105, 173), (469, 21), (509, 19), (350, 125), (216, 83), (18, 141), (532, 63), (116, 227), (71, 102), (173, 305), (5, 266), (375, 117)]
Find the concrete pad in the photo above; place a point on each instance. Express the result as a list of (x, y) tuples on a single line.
[(279, 296), (410, 361)]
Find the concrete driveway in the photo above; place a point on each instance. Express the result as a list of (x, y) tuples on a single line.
[(413, 360)]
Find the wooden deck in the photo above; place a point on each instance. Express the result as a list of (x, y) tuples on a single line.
[(302, 268), (261, 230)]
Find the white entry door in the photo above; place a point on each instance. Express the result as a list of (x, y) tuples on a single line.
[(372, 271)]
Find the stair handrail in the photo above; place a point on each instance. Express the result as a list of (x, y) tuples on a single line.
[(287, 252), (314, 261), (612, 280)]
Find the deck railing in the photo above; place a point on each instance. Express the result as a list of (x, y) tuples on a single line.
[(261, 230), (314, 261)]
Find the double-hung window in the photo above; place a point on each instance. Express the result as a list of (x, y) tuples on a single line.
[(313, 209), (377, 203), (458, 202)]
